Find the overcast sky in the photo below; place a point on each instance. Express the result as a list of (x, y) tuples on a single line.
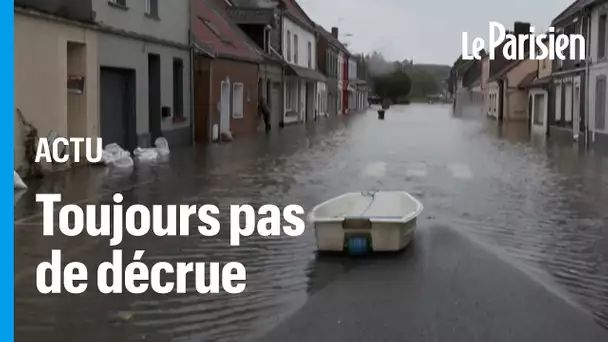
[(429, 31)]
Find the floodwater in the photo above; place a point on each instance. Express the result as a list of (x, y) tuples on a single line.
[(541, 202)]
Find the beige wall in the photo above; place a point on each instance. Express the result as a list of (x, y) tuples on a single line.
[(517, 99), (41, 69), (544, 67)]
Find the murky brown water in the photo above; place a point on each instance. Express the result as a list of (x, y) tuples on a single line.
[(543, 203)]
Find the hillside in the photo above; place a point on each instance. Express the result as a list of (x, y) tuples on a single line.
[(439, 72)]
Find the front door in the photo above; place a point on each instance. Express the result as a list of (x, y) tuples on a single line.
[(117, 107), (539, 112), (225, 107), (276, 104)]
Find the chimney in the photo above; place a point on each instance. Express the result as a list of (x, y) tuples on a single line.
[(521, 27), (334, 32)]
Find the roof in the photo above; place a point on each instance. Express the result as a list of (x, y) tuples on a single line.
[(306, 73), (294, 11), (331, 39), (541, 81), (508, 64), (215, 34), (252, 15), (527, 81), (574, 7)]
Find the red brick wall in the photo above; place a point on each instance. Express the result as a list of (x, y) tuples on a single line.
[(236, 71)]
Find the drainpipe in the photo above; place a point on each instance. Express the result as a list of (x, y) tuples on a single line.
[(211, 111), (192, 95), (192, 71), (587, 76)]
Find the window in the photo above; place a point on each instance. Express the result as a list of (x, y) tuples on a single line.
[(288, 45), (601, 37), (152, 8), (600, 103), (310, 55), (295, 49), (122, 3), (178, 88), (237, 100)]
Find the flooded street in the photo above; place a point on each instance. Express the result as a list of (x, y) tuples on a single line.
[(541, 204)]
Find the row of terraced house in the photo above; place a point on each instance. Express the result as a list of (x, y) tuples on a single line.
[(564, 98), (192, 71)]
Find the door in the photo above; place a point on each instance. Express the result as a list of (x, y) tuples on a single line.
[(276, 107), (225, 107), (539, 113), (568, 103), (117, 107), (558, 102), (154, 96), (201, 104)]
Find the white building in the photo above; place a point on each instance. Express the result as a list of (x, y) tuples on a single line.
[(598, 73), (352, 85), (304, 86), (341, 85)]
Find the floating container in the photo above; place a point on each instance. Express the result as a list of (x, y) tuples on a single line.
[(362, 222)]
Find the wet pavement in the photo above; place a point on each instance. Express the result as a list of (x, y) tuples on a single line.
[(534, 209)]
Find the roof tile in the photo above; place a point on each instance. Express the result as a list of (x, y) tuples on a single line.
[(212, 28)]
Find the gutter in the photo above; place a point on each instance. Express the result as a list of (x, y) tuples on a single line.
[(192, 71)]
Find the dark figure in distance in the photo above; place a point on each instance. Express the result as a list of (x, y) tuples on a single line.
[(265, 112)]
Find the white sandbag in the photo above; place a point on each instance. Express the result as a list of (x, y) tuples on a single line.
[(19, 184), (123, 162), (162, 146), (113, 148), (145, 155), (113, 152)]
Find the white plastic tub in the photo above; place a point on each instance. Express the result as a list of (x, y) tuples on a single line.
[(381, 221)]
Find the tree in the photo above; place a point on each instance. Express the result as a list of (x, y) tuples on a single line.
[(423, 84), (393, 85)]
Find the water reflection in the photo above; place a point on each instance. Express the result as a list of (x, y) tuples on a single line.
[(541, 201)]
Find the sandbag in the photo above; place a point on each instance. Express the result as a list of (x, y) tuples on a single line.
[(162, 146), (114, 155), (145, 154), (19, 184)]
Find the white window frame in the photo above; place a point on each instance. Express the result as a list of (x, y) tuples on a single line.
[(149, 8), (295, 49), (238, 105), (309, 47)]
